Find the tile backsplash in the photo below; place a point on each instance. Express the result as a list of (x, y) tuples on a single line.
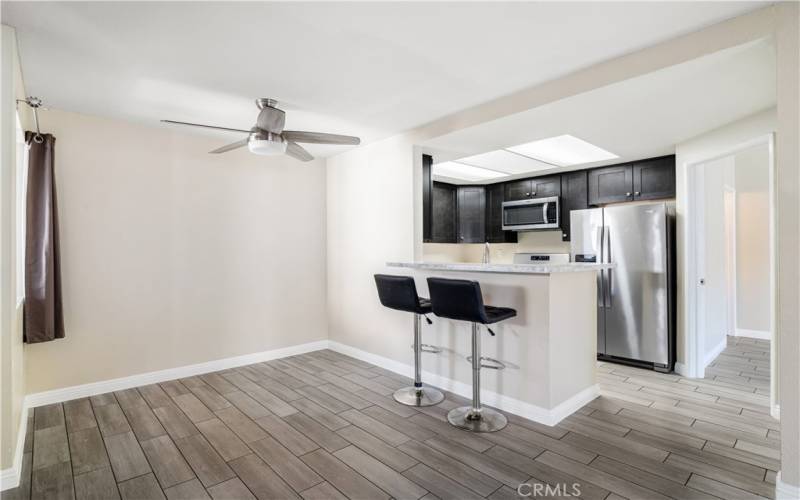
[(529, 241)]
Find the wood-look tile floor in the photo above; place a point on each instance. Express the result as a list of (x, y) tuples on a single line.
[(324, 426)]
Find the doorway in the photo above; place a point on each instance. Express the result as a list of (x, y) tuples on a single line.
[(732, 266)]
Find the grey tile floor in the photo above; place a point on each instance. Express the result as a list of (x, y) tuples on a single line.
[(324, 426)]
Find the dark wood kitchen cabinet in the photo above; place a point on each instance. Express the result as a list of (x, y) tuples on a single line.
[(537, 187), (471, 214), (574, 187), (518, 190), (443, 213), (494, 216), (543, 187), (651, 179), (610, 184), (654, 179), (427, 197)]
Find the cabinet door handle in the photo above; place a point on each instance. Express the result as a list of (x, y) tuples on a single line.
[(527, 194), (534, 193), (637, 193), (628, 194)]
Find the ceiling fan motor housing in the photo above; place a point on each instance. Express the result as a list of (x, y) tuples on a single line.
[(270, 118), (266, 143)]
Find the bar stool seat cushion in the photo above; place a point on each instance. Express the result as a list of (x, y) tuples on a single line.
[(495, 314)]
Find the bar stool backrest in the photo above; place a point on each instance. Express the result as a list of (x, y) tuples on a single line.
[(398, 292), (457, 299)]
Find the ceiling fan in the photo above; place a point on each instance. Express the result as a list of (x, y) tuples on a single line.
[(267, 136)]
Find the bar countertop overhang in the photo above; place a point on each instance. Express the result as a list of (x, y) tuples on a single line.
[(544, 268)]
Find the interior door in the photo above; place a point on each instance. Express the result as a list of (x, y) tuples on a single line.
[(586, 246), (637, 301)]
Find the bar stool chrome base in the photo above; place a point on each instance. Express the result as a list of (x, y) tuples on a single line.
[(418, 396), (483, 420)]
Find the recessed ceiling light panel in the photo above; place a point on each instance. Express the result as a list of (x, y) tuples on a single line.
[(506, 161), (563, 151), (456, 170)]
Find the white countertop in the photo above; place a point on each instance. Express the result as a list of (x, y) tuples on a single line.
[(570, 267)]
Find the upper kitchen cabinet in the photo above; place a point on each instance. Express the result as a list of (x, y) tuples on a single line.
[(518, 190), (471, 214), (574, 186), (494, 216), (427, 197), (538, 187), (643, 180), (543, 187), (610, 184), (654, 179), (443, 213)]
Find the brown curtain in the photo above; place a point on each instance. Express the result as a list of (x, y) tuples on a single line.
[(43, 315)]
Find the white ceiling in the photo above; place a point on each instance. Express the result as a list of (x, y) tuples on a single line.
[(638, 118), (368, 69)]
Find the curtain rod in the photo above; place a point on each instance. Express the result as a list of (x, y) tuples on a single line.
[(35, 103)]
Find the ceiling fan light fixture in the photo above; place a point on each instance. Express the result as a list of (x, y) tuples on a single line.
[(266, 144)]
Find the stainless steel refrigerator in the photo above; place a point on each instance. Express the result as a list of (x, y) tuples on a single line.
[(635, 299)]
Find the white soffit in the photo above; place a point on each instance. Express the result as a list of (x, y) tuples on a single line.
[(642, 117), (506, 161)]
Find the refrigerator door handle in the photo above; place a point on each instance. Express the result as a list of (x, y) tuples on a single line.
[(601, 280), (607, 234)]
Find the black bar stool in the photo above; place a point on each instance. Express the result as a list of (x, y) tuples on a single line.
[(400, 293), (462, 300)]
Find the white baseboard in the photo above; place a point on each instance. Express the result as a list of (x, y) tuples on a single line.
[(775, 412), (118, 384), (716, 351), (532, 412), (754, 334), (785, 491), (9, 478)]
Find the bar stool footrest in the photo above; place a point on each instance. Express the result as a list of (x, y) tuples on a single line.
[(493, 364), (428, 348)]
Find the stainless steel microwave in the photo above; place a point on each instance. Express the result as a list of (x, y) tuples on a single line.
[(526, 215)]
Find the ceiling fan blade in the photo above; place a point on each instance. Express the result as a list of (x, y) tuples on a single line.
[(205, 126), (298, 152), (319, 137), (229, 147)]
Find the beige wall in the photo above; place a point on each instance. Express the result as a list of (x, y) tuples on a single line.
[(12, 378), (752, 239), (171, 256)]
